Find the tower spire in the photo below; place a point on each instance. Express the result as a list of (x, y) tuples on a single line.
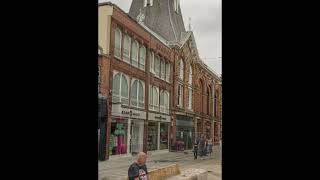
[(189, 23)]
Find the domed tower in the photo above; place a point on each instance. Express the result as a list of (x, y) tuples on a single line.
[(161, 16)]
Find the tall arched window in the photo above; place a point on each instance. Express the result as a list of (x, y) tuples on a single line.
[(208, 101), (162, 101), (215, 103), (142, 57), (134, 94), (157, 66), (153, 98), (145, 2), (117, 43), (190, 99), (166, 102), (176, 5), (168, 72), (126, 48), (181, 69), (156, 98), (163, 69), (148, 3), (151, 62), (120, 89), (180, 95), (201, 92), (190, 75), (137, 94), (135, 46), (140, 95)]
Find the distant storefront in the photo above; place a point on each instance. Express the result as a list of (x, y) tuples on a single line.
[(158, 132), (185, 131)]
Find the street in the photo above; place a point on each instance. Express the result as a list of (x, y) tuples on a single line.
[(117, 169)]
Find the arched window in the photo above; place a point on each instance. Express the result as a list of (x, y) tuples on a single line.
[(180, 95), (120, 89), (208, 101), (166, 102), (145, 3), (126, 48), (140, 95), (161, 101), (134, 94), (201, 92), (181, 69), (142, 57), (190, 75), (163, 70), (117, 43), (157, 66), (148, 3), (215, 103), (176, 5), (137, 94), (190, 99), (152, 62), (168, 72), (135, 46), (156, 98)]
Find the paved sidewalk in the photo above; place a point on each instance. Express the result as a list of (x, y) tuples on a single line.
[(117, 169)]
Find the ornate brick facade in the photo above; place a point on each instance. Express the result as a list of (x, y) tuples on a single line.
[(205, 86)]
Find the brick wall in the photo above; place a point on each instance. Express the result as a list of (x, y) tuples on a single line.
[(109, 63)]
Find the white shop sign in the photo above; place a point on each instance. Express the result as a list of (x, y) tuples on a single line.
[(159, 117), (117, 110)]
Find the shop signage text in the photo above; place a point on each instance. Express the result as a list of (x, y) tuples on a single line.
[(117, 110), (159, 117)]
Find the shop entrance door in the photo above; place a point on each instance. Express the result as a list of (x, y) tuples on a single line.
[(187, 138), (186, 135), (137, 127)]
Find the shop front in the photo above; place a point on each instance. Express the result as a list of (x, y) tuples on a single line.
[(184, 133), (158, 132), (102, 117), (127, 130)]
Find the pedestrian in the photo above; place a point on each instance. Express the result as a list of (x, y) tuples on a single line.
[(210, 144), (201, 147), (205, 150), (138, 169), (195, 149)]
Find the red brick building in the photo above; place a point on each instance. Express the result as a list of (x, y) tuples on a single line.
[(159, 91)]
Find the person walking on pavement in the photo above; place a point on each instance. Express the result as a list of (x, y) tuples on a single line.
[(138, 170), (201, 146), (195, 148), (205, 149), (210, 146)]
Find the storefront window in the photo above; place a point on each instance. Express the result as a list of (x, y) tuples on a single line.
[(164, 135), (118, 137), (152, 136)]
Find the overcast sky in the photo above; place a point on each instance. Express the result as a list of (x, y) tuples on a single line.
[(206, 25)]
